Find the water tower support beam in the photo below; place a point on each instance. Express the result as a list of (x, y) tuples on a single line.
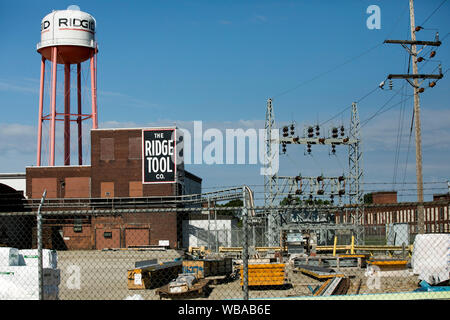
[(94, 91), (41, 108), (66, 114), (80, 144), (53, 108)]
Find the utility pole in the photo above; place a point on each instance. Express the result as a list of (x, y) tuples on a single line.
[(415, 76), (418, 133)]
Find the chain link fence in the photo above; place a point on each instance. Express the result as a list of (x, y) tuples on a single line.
[(107, 253)]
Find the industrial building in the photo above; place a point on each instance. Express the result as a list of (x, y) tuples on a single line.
[(115, 172)]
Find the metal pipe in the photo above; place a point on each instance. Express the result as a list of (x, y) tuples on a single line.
[(41, 108), (53, 108), (66, 114), (209, 228), (245, 245), (80, 141), (94, 92), (39, 245)]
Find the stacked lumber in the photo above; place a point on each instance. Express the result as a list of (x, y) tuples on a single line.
[(268, 274)]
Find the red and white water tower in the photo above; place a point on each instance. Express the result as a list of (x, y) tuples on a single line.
[(68, 39)]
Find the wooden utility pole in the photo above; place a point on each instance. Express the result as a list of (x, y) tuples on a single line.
[(415, 76), (420, 211)]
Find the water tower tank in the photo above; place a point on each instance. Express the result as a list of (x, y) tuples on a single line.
[(72, 31)]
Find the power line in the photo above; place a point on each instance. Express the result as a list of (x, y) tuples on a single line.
[(435, 10), (327, 72)]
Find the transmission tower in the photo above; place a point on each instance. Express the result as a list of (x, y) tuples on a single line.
[(306, 187)]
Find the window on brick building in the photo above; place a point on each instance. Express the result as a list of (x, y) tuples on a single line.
[(107, 149), (134, 148)]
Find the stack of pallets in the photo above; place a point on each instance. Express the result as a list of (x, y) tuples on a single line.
[(268, 274)]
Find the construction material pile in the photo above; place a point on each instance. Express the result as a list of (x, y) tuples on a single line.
[(19, 274), (182, 283)]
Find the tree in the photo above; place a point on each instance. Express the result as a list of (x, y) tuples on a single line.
[(232, 203), (368, 198)]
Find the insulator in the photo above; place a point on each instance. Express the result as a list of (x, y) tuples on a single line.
[(432, 84), (341, 178), (334, 132), (310, 129), (341, 192), (420, 59), (421, 90), (298, 191), (320, 192), (432, 54), (285, 129), (391, 84), (319, 178), (308, 150), (342, 131), (333, 149)]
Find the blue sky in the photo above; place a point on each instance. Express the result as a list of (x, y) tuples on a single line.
[(218, 62)]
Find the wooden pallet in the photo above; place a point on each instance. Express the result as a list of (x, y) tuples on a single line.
[(200, 288)]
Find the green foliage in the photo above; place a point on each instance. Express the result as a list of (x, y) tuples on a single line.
[(232, 203), (368, 199)]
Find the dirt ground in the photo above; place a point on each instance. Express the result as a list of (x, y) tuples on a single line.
[(102, 275)]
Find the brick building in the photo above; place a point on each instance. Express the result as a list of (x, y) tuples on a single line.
[(114, 177)]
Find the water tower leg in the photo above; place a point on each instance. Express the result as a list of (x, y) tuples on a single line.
[(80, 145), (53, 108), (94, 92), (41, 108), (67, 114)]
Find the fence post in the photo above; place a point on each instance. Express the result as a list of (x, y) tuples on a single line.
[(209, 221), (39, 247), (245, 244)]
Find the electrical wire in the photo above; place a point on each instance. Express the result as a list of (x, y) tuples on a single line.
[(326, 72), (435, 10)]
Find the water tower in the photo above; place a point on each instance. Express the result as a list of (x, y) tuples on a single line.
[(68, 39)]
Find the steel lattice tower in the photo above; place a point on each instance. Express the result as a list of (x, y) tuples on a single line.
[(276, 186)]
